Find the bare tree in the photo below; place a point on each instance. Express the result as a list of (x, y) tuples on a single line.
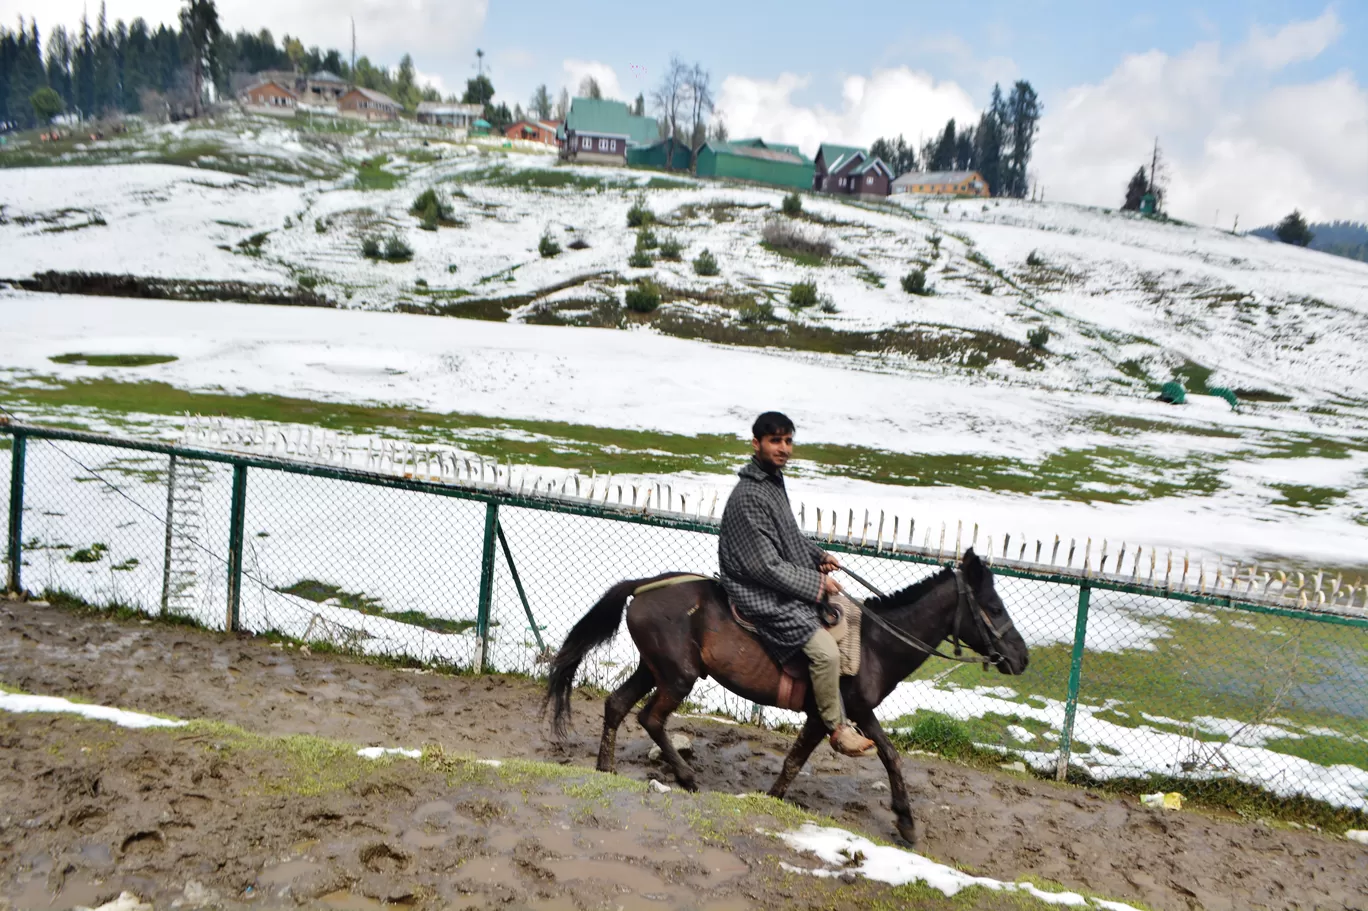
[(589, 88), (699, 85), (563, 104), (669, 98)]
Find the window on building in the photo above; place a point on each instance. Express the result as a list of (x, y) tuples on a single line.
[(603, 145), (869, 179), (586, 142)]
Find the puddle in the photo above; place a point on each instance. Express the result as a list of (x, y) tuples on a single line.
[(287, 872), (642, 882), (350, 901)]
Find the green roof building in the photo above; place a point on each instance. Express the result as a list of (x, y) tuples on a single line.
[(602, 130), (753, 159)]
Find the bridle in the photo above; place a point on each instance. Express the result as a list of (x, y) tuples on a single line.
[(966, 604)]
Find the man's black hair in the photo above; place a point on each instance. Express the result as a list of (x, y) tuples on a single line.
[(771, 422)]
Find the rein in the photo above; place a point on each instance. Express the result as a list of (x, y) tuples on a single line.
[(965, 603)]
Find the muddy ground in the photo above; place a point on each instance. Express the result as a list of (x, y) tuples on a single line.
[(160, 813)]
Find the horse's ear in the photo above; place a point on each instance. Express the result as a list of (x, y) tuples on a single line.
[(974, 570)]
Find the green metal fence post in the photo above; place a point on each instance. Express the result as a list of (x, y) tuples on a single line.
[(486, 585), (1075, 673), (235, 523), (15, 552)]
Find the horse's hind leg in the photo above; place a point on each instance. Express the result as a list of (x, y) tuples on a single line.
[(652, 718), (811, 735), (616, 708)]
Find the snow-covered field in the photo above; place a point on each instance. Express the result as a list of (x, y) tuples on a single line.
[(1077, 445)]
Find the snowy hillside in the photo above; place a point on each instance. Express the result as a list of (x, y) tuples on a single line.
[(940, 403)]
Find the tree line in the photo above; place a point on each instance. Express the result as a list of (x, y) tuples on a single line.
[(102, 69), (998, 147)]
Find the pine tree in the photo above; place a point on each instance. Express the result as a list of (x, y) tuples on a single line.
[(1294, 230), (59, 64), (964, 149), (1135, 191), (988, 148), (943, 158), (1023, 113), (200, 27), (106, 76)]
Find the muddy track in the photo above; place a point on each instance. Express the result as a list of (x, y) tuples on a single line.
[(999, 825)]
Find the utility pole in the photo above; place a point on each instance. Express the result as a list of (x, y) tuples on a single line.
[(353, 63), (479, 56)]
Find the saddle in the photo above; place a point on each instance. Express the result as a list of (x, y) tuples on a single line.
[(794, 679)]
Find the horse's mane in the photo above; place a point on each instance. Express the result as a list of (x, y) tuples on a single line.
[(906, 596)]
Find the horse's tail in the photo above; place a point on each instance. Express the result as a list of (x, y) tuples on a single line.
[(592, 630)]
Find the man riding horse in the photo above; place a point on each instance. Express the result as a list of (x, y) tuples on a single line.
[(777, 577)]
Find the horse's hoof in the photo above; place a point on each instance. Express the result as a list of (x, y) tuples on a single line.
[(911, 831), (689, 785)]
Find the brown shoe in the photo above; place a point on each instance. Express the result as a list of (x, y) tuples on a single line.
[(848, 741)]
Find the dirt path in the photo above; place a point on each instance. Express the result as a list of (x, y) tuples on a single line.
[(998, 825)]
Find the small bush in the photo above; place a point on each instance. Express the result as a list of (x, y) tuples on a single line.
[(705, 264), (914, 282), (579, 243), (547, 246), (646, 239), (935, 241), (429, 222), (639, 259), (392, 248), (828, 306), (671, 249), (639, 215), (451, 268), (308, 282), (1038, 338), (320, 227), (643, 297), (757, 313), (789, 237), (793, 205), (1033, 259), (420, 283), (802, 294), (432, 208)]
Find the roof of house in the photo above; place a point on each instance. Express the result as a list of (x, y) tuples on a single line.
[(605, 117), (935, 178), (874, 164), (759, 150), (373, 95), (833, 156), (265, 82), (446, 107), (543, 124)]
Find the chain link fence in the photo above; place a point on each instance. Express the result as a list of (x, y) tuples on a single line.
[(1210, 689)]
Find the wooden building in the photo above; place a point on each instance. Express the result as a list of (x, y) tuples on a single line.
[(368, 104), (270, 98), (942, 183)]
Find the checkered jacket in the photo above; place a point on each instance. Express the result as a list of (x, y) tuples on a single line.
[(769, 567)]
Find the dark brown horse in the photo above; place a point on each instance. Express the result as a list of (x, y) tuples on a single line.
[(686, 631)]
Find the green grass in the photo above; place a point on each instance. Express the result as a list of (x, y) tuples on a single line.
[(535, 179), (318, 592), (371, 175), (1194, 377), (666, 183), (113, 360), (1298, 496)]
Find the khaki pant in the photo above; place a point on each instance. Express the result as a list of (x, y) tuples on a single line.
[(824, 667)]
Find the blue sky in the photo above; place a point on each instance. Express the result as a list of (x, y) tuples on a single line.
[(1053, 44)]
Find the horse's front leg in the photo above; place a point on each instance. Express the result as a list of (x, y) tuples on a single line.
[(811, 735), (908, 826)]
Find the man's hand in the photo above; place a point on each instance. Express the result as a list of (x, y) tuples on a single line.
[(829, 564), (830, 587)]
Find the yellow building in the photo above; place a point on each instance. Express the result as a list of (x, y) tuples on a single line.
[(941, 183)]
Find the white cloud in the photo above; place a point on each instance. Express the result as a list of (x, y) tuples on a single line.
[(1294, 42), (576, 70), (1235, 140), (889, 102)]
